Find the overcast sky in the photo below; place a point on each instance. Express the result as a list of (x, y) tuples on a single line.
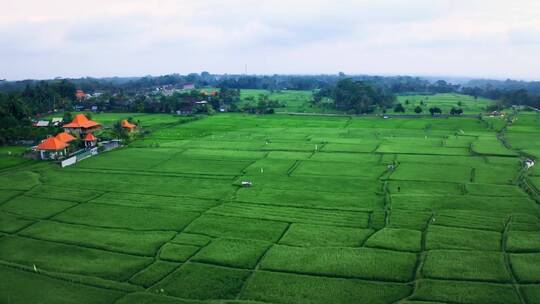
[(71, 38)]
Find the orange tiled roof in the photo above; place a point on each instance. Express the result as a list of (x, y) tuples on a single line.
[(65, 137), (80, 121), (127, 124), (80, 94), (52, 143), (90, 137)]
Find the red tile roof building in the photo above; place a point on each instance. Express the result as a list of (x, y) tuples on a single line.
[(52, 144), (80, 94), (81, 125), (126, 124), (65, 137), (90, 137), (52, 148), (89, 140)]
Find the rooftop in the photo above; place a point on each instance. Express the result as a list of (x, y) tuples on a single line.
[(52, 144), (80, 121)]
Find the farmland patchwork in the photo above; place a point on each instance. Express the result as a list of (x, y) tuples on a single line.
[(238, 208)]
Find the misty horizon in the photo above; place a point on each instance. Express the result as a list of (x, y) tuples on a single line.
[(459, 39)]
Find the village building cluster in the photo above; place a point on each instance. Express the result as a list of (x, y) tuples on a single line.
[(56, 147)]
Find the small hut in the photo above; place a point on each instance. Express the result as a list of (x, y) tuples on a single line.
[(52, 148), (127, 125), (81, 125), (90, 140), (65, 137)]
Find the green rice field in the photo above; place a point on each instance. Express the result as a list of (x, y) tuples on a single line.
[(300, 102), (340, 210)]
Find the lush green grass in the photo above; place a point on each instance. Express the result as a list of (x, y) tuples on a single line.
[(441, 237), (35, 207), (70, 259), (177, 252), (523, 241), (153, 273), (359, 263), (46, 289), (526, 267), (465, 292), (109, 216), (232, 252), (445, 102), (396, 239), (306, 235), (300, 101), (466, 265), (222, 226), (302, 289), (340, 210), (11, 224), (199, 281), (134, 242)]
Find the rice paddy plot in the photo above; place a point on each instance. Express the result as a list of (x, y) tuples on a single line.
[(70, 259), (441, 237), (118, 240), (466, 265), (308, 235), (465, 292), (200, 281), (360, 263), (49, 289), (237, 208), (303, 289), (464, 202), (110, 216), (346, 201), (289, 214)]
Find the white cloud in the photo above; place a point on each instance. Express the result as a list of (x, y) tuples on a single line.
[(42, 39)]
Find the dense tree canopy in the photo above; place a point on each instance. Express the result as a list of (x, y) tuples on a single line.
[(356, 96)]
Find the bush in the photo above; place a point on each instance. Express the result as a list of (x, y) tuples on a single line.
[(435, 110), (456, 111), (399, 108)]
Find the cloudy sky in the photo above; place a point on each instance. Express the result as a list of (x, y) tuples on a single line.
[(72, 38)]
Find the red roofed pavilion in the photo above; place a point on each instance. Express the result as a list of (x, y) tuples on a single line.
[(126, 124), (52, 148), (79, 94), (65, 137), (89, 140), (81, 125)]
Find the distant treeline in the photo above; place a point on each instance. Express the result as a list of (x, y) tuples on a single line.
[(508, 92), (395, 84), (20, 100)]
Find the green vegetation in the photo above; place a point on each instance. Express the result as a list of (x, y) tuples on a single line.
[(362, 263), (200, 281), (238, 208), (444, 101), (466, 265), (396, 239), (232, 252)]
